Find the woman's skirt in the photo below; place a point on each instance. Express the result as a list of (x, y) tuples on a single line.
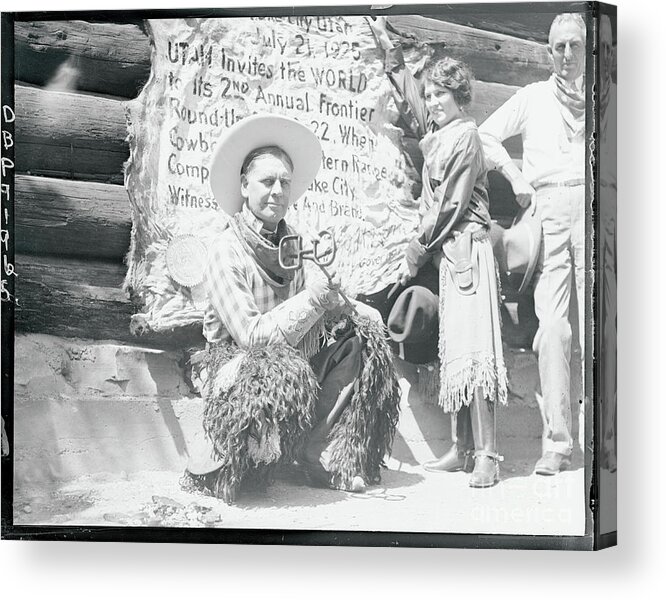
[(470, 338)]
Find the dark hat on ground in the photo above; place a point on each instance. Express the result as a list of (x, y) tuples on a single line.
[(414, 322), (517, 248)]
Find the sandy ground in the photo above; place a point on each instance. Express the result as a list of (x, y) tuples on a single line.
[(408, 499), (122, 479)]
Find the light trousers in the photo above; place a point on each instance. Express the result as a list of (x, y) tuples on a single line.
[(559, 297)]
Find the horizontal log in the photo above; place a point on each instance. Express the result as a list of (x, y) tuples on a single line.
[(493, 57), (71, 162), (71, 298), (71, 136), (66, 118), (82, 299), (486, 99), (106, 58), (71, 218), (526, 24)]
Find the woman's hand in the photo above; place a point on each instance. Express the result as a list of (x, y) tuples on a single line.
[(378, 28), (405, 272), (415, 256)]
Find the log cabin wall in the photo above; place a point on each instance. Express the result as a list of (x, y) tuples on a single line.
[(73, 218), (72, 211)]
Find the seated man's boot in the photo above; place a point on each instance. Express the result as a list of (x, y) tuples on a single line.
[(202, 484), (459, 456), (486, 459)]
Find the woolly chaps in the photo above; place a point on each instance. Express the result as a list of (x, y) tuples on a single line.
[(262, 415)]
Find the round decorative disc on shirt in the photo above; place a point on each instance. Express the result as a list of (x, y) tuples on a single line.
[(186, 259)]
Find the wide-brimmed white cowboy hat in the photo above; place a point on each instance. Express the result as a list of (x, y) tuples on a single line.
[(297, 140), (517, 248)]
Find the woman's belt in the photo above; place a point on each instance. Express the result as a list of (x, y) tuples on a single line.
[(461, 256), (559, 184), (478, 231)]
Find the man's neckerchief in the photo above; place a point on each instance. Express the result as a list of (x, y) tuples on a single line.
[(265, 254), (572, 107)]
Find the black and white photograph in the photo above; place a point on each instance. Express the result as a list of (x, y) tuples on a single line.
[(328, 272)]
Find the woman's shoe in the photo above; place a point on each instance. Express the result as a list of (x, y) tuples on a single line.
[(486, 458), (459, 457), (486, 469), (454, 460)]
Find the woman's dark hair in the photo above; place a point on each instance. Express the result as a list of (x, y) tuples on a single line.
[(264, 151), (455, 76)]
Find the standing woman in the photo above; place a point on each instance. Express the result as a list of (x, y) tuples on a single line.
[(454, 235)]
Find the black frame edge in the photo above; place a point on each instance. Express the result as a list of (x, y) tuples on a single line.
[(7, 310), (270, 537), (606, 540)]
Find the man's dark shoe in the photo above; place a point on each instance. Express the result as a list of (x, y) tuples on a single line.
[(552, 463)]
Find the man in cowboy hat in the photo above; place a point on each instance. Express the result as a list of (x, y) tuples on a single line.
[(261, 166), (550, 116)]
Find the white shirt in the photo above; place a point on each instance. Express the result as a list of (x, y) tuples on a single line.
[(534, 113)]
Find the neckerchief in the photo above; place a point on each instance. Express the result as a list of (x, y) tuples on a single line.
[(572, 107), (264, 253)]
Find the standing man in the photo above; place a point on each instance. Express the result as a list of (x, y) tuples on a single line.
[(550, 117)]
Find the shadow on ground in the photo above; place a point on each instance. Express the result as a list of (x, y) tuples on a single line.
[(291, 488)]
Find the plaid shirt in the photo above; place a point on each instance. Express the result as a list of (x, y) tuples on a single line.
[(243, 306)]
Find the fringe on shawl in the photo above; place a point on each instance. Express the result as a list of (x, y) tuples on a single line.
[(363, 435), (457, 389), (485, 371), (274, 386)]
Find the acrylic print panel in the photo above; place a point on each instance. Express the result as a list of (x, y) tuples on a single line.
[(105, 420)]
